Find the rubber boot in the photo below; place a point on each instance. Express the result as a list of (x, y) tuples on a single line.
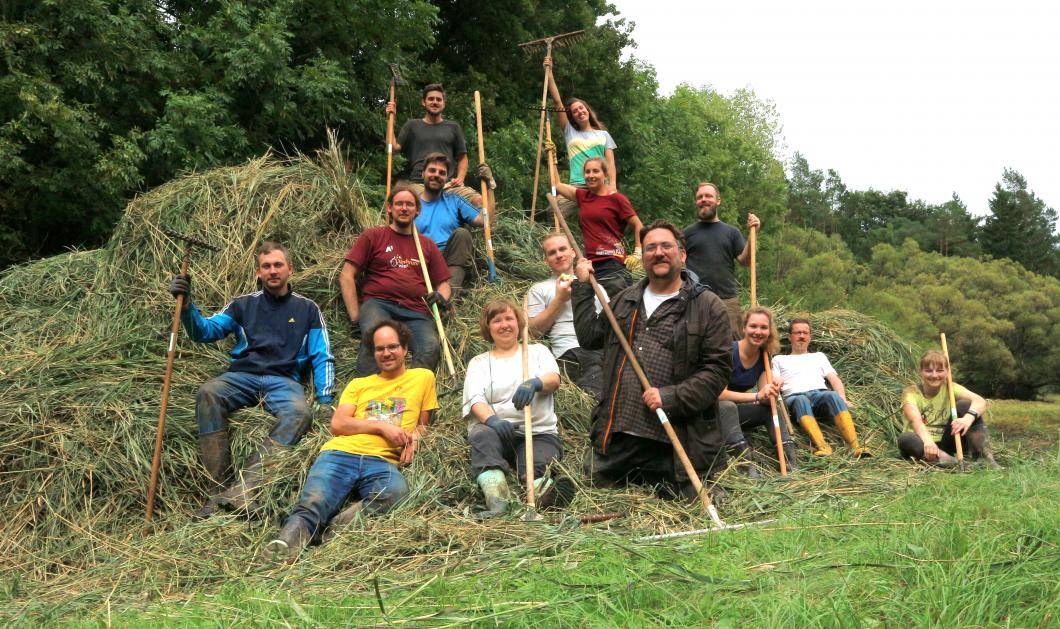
[(845, 423), (813, 431), (495, 489), (456, 281), (217, 459), (289, 543), (740, 457), (343, 518), (979, 445), (554, 494), (790, 457), (242, 496)]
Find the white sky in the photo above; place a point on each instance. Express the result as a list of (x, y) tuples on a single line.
[(930, 97)]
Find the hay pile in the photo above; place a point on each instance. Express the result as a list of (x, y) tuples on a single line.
[(82, 351)]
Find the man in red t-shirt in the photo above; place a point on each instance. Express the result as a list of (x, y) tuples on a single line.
[(393, 286)]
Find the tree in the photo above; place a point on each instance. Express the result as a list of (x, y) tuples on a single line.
[(1021, 227)]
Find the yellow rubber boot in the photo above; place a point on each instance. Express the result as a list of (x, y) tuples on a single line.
[(845, 423), (820, 446)]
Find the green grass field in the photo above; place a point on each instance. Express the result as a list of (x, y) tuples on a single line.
[(927, 548)]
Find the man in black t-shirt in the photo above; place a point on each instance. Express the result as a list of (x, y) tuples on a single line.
[(420, 137), (712, 248)]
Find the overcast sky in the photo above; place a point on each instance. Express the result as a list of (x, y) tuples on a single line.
[(930, 97)]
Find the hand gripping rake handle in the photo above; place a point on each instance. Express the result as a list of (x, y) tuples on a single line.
[(953, 401), (486, 219), (442, 338), (704, 496), (174, 328), (765, 355)]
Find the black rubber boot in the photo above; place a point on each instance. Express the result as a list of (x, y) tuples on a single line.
[(289, 543), (979, 445), (790, 456), (242, 496), (740, 456), (557, 495), (217, 459)]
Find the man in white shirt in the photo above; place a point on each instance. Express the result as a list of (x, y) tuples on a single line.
[(804, 378), (551, 314)]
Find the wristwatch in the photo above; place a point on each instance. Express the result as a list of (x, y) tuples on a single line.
[(973, 414)]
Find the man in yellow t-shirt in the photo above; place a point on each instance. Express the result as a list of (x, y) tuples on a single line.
[(377, 426)]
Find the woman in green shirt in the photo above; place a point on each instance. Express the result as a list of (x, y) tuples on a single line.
[(930, 431)]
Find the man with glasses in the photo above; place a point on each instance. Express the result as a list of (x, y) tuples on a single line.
[(713, 246), (681, 336), (378, 424), (393, 286)]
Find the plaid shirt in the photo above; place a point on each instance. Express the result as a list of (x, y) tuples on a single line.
[(689, 366)]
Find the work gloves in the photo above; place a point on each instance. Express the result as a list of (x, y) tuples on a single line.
[(485, 173), (181, 285), (355, 328), (505, 430), (525, 393), (434, 298), (632, 261)]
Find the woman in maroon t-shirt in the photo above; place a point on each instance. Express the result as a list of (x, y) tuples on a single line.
[(604, 216)]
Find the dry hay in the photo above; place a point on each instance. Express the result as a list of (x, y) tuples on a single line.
[(81, 358)]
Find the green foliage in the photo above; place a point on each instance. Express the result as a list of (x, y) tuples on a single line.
[(1000, 320), (814, 271), (1021, 227)]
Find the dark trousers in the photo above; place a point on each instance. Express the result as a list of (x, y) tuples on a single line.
[(911, 446), (612, 276), (459, 252), (735, 418), (583, 368), (488, 452)]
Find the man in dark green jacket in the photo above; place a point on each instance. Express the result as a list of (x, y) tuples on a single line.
[(680, 333)]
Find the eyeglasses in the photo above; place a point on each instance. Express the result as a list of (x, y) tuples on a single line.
[(665, 246), (393, 347)]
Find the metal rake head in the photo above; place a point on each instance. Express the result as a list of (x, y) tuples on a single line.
[(395, 73), (189, 240), (553, 41)]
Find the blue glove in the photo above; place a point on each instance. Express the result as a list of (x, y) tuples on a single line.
[(525, 393), (505, 430)]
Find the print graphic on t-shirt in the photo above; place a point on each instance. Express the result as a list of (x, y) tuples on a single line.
[(388, 410), (403, 263), (617, 249)]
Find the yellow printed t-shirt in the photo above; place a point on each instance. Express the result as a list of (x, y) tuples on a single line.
[(935, 411), (399, 401)]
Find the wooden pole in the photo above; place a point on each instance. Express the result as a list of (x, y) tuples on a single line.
[(765, 356), (553, 172), (540, 131), (528, 414), (953, 401), (156, 458), (434, 307), (601, 296), (390, 141), (486, 220)]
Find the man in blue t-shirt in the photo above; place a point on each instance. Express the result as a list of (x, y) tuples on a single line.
[(443, 215), (280, 339), (713, 246)]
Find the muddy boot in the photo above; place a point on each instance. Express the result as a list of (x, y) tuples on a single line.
[(845, 423), (813, 431), (340, 521), (790, 457), (554, 494), (979, 445), (456, 282), (289, 543), (242, 496), (495, 489), (217, 459), (740, 458)]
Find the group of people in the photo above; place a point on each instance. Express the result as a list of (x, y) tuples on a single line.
[(704, 358)]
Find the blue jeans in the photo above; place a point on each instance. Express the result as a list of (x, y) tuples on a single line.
[(426, 350), (809, 403), (337, 474), (282, 397)]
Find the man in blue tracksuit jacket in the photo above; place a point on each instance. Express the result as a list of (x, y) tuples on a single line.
[(279, 335)]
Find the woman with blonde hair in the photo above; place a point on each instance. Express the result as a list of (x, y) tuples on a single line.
[(930, 430), (738, 406), (495, 395)]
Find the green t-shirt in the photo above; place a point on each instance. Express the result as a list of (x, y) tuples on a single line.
[(935, 410)]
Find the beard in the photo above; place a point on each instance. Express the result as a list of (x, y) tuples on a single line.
[(675, 270), (708, 214)]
